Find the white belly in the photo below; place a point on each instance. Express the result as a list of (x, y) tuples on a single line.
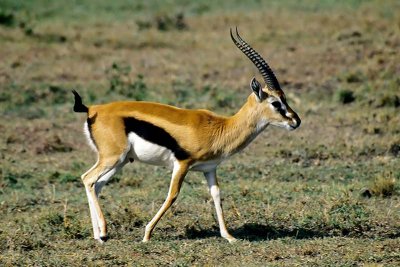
[(150, 153)]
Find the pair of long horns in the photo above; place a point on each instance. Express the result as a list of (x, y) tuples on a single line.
[(266, 72)]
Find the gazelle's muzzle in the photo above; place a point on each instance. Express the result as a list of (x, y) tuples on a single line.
[(295, 122)]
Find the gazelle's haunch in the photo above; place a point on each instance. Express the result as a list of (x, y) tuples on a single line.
[(181, 139)]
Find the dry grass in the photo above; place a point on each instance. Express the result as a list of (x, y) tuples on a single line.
[(384, 185)]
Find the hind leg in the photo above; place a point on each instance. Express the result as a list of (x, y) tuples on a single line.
[(94, 180), (93, 215)]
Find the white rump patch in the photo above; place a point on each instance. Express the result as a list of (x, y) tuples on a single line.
[(88, 136)]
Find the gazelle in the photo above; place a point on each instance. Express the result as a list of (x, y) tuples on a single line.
[(181, 139)]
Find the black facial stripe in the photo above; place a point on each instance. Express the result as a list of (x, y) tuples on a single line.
[(155, 135), (286, 107), (281, 107), (276, 104), (283, 113)]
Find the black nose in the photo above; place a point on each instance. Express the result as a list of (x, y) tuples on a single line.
[(296, 121)]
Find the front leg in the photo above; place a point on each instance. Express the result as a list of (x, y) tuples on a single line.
[(178, 174), (213, 187)]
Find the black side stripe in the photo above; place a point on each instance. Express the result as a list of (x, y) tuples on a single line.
[(155, 135)]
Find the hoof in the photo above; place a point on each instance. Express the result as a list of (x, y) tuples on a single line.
[(102, 239), (230, 238)]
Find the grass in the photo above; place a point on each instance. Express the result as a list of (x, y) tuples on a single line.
[(325, 194)]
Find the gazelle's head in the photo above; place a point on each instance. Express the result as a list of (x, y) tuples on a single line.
[(271, 99)]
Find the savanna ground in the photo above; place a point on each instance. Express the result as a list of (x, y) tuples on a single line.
[(325, 194)]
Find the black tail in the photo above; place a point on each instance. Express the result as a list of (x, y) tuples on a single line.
[(78, 106)]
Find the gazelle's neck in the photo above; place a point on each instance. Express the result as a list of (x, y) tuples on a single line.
[(241, 128)]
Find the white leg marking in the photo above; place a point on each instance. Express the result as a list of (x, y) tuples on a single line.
[(211, 177), (93, 216), (104, 178)]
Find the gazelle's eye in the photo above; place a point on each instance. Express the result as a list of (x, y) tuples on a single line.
[(276, 104)]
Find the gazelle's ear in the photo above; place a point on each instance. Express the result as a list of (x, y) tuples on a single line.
[(257, 89)]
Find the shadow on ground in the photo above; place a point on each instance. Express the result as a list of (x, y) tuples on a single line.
[(256, 232)]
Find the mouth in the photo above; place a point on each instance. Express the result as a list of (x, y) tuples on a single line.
[(296, 122), (288, 125), (293, 125)]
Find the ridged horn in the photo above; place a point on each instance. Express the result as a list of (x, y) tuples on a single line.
[(258, 61)]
